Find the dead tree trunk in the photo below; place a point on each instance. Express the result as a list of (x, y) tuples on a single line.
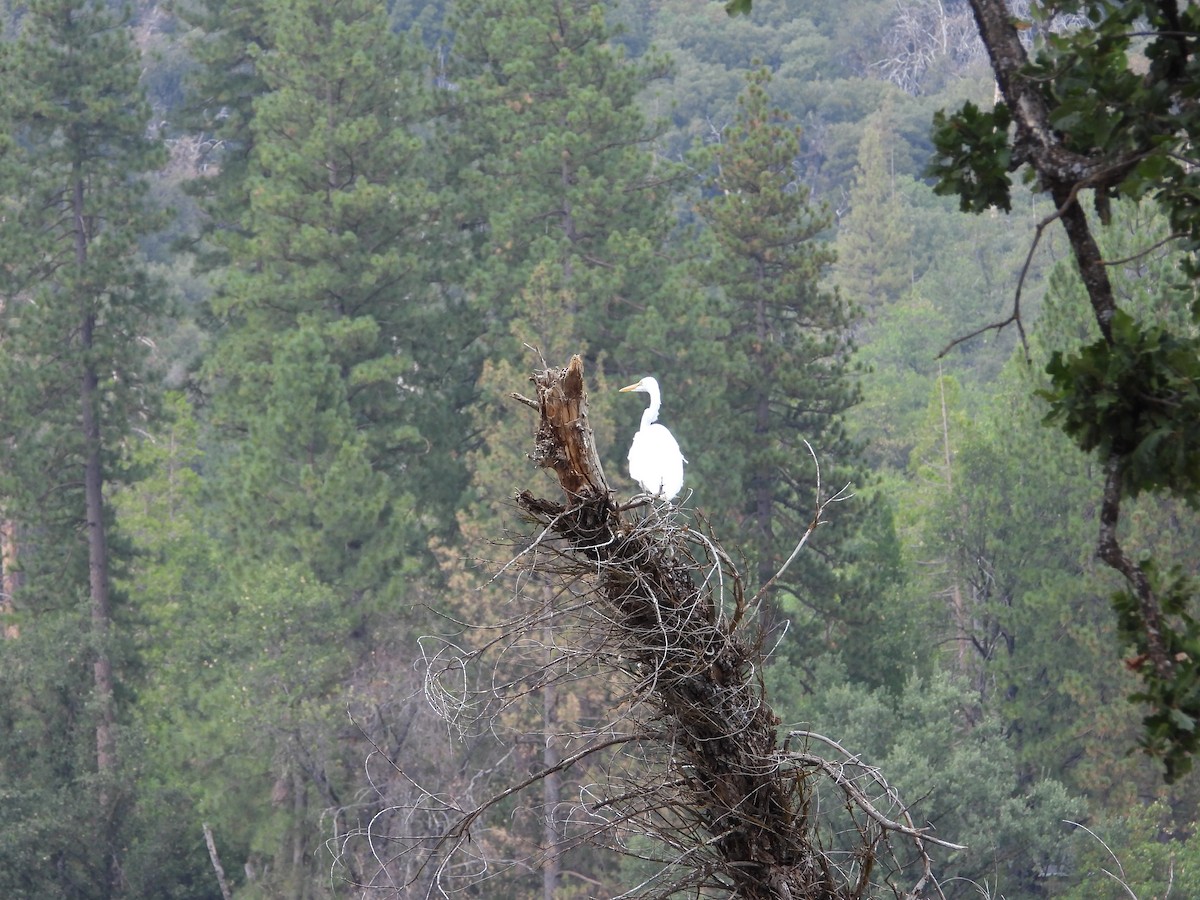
[(740, 795), (705, 686)]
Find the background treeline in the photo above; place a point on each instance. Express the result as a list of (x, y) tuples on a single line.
[(269, 272)]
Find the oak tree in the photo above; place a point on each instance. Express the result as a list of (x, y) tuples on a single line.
[(1102, 111)]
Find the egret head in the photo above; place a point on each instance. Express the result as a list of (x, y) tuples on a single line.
[(648, 385)]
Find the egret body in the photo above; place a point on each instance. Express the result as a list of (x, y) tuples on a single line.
[(655, 461)]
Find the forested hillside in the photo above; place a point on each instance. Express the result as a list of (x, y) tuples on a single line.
[(270, 272)]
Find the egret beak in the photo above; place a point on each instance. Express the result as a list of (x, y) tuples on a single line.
[(632, 387)]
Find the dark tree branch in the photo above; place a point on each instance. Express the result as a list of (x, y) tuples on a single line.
[(1088, 257), (1110, 552), (1037, 142)]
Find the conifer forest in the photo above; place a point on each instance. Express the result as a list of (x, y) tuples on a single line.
[(322, 572)]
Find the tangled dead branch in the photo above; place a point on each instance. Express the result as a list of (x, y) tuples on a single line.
[(691, 774)]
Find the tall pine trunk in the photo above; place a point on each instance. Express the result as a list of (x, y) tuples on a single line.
[(764, 497), (93, 482), (93, 487), (77, 119)]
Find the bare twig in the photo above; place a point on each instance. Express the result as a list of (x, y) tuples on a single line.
[(1015, 317), (1173, 236), (521, 398), (1101, 842), (835, 771), (822, 504)]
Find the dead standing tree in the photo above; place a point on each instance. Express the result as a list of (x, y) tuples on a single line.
[(699, 778)]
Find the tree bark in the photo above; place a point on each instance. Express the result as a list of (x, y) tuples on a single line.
[(551, 795), (93, 485), (222, 883), (1037, 143), (551, 758), (764, 481), (97, 542), (93, 488)]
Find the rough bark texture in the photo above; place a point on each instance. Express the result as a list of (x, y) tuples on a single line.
[(1036, 142)]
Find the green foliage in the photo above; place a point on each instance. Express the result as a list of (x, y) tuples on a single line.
[(970, 266), (386, 228), (552, 151), (973, 157), (782, 372), (1152, 337), (998, 535), (876, 244), (322, 318), (243, 658), (818, 56), (1104, 106), (219, 108), (767, 367), (929, 744), (74, 210), (1137, 396), (1144, 851), (1006, 545), (310, 483), (333, 389), (77, 310), (1107, 107), (47, 782), (1170, 728)]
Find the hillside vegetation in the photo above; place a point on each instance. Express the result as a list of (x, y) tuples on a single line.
[(270, 273)]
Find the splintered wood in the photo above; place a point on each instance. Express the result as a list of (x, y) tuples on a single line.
[(564, 441)]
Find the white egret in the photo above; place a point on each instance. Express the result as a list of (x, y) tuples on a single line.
[(655, 461)]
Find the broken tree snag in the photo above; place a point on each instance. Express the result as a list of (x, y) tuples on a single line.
[(565, 442)]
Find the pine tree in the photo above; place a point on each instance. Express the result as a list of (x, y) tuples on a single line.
[(76, 305), (329, 315), (556, 162), (226, 41), (334, 389), (1017, 539), (783, 374), (875, 238)]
